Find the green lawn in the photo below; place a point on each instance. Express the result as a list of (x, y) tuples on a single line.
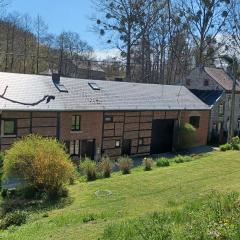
[(132, 195)]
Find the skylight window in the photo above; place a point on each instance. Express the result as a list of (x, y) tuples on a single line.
[(61, 87), (94, 86)]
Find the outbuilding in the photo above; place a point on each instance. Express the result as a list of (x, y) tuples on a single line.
[(94, 117)]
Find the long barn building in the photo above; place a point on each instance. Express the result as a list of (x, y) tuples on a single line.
[(94, 117)]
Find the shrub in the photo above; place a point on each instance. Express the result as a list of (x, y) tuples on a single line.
[(42, 162), (89, 168), (225, 147), (28, 192), (182, 159), (147, 164), (106, 166), (235, 143), (125, 164), (185, 136), (163, 162), (89, 218), (16, 218)]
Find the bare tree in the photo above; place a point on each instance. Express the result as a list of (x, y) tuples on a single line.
[(205, 20), (40, 28)]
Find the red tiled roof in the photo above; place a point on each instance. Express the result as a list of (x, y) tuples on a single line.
[(221, 77)]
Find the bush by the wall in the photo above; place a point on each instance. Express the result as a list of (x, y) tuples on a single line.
[(147, 164), (163, 162), (235, 143), (182, 159), (225, 147), (185, 136), (106, 166), (41, 162), (89, 168), (16, 218), (125, 164)]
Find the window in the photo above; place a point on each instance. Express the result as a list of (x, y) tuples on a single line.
[(108, 119), (140, 141), (9, 127), (221, 109), (194, 121), (206, 83), (74, 148), (117, 143), (76, 123), (229, 102), (94, 86), (188, 82)]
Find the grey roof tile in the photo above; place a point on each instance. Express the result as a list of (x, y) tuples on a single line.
[(111, 96)]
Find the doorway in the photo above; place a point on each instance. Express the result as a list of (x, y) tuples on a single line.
[(162, 136), (126, 147), (88, 149)]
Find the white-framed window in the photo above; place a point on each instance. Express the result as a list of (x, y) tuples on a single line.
[(74, 148)]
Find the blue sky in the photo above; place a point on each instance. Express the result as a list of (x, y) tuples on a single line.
[(72, 15)]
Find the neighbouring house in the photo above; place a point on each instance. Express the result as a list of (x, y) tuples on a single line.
[(214, 87), (85, 70), (94, 117)]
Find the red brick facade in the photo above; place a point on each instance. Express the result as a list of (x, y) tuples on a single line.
[(123, 125)]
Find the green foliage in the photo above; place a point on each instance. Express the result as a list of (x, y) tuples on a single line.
[(41, 162), (186, 134), (235, 143), (125, 164), (106, 166), (16, 218), (147, 164), (182, 159), (216, 216), (89, 168), (225, 147), (89, 218), (163, 162)]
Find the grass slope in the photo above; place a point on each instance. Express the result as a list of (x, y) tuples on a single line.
[(132, 195)]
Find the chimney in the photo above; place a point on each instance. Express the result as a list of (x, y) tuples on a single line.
[(56, 78)]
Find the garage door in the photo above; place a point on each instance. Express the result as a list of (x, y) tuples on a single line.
[(162, 136)]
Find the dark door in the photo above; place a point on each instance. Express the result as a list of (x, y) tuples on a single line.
[(88, 149), (126, 147), (162, 136)]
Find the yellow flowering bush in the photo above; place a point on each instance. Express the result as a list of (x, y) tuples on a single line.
[(41, 162)]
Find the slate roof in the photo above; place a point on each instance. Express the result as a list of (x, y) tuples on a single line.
[(210, 97), (221, 77), (29, 89)]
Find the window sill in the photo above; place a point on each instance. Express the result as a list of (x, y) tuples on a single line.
[(75, 131), (8, 136)]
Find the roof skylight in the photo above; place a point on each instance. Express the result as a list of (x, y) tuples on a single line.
[(94, 86)]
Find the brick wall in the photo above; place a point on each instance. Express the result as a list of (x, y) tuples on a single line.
[(125, 125), (43, 123), (91, 127), (138, 125)]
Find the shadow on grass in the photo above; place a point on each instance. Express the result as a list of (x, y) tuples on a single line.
[(33, 205)]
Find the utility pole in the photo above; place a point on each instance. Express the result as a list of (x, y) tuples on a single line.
[(232, 110)]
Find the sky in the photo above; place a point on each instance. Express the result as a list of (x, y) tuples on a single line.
[(68, 15)]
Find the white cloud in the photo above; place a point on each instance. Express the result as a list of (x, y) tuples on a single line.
[(107, 53)]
